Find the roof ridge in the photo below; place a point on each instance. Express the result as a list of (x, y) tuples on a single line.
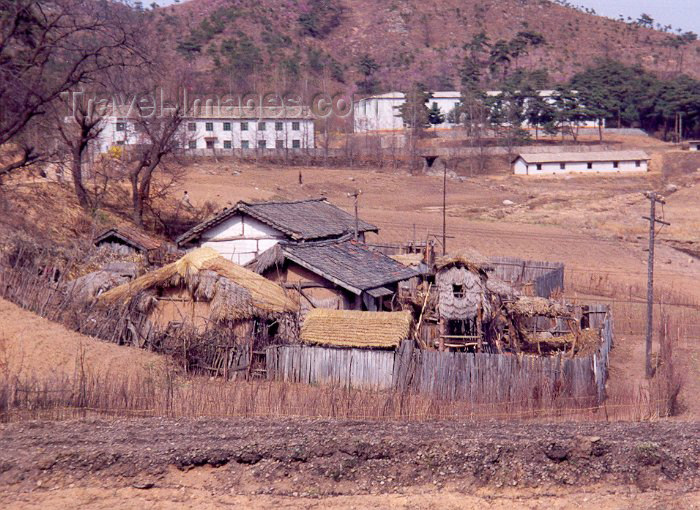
[(279, 202)]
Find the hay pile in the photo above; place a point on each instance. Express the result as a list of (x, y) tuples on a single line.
[(349, 328), (471, 259), (409, 259), (533, 306), (233, 291)]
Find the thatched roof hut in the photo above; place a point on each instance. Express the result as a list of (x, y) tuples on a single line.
[(346, 328), (232, 292)]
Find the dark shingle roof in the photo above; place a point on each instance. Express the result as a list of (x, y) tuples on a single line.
[(302, 220), (349, 264), (136, 239)]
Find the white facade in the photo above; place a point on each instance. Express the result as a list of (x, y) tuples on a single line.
[(522, 166), (694, 145), (381, 112), (241, 238), (219, 133)]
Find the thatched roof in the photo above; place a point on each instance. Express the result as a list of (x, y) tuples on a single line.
[(408, 259), (532, 306), (233, 291), (349, 328), (471, 259)]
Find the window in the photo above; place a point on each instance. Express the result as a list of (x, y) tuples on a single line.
[(539, 166), (262, 126), (192, 126), (227, 126), (121, 126), (616, 164), (192, 144), (562, 166), (210, 144), (244, 126), (227, 144), (245, 144), (296, 144), (120, 142), (279, 126), (296, 126), (637, 164), (262, 144), (589, 166), (279, 144), (458, 291), (209, 126)]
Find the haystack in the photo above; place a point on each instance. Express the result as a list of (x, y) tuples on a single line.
[(233, 292), (527, 306), (349, 328)]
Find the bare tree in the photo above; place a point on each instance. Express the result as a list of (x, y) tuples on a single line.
[(47, 47), (77, 132), (160, 135)]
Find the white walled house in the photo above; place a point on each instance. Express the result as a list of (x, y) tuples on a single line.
[(694, 145), (581, 162), (222, 129), (246, 230)]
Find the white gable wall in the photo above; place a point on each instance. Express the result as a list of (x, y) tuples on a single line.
[(520, 167), (241, 238)]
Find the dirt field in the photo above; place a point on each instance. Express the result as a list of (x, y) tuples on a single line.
[(160, 463)]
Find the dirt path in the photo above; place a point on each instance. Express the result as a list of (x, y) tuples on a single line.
[(161, 463)]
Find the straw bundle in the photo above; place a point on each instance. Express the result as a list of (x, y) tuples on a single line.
[(234, 292), (408, 259), (532, 306), (349, 328)]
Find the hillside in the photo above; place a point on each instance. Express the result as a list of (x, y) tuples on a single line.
[(386, 44)]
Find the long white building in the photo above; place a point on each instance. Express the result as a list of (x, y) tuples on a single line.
[(221, 129), (381, 112), (581, 162)]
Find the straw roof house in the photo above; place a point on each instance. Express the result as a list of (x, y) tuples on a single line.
[(202, 288), (349, 328)]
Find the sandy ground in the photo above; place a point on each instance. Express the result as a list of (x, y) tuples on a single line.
[(160, 463), (33, 347)]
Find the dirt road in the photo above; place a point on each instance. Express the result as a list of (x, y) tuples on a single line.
[(161, 463)]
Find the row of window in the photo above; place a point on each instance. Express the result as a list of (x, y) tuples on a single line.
[(616, 164), (262, 126), (245, 144), (209, 126)]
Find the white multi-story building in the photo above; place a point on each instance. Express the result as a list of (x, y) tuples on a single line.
[(581, 162), (221, 129), (381, 112)]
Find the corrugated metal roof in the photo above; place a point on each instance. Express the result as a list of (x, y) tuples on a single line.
[(584, 157), (301, 220), (345, 328), (349, 264)]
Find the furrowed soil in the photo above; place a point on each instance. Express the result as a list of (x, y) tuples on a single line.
[(256, 463)]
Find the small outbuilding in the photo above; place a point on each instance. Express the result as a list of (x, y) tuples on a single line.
[(581, 162), (126, 240), (693, 145), (203, 291)]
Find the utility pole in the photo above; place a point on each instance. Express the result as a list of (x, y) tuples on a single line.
[(653, 197), (357, 217), (444, 209)]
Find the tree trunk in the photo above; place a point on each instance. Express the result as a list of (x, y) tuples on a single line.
[(77, 173), (136, 202)]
